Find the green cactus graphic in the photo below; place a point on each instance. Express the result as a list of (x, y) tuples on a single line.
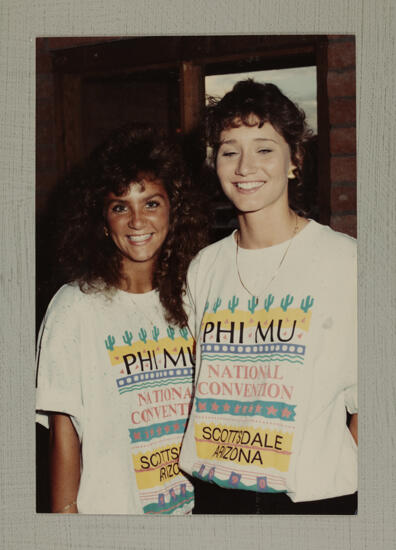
[(143, 335), (206, 306), (286, 302), (155, 332), (268, 302), (184, 333), (171, 332), (307, 304), (109, 342), (252, 304), (127, 337), (232, 304), (216, 305)]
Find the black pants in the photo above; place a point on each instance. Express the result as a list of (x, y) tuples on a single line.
[(211, 499)]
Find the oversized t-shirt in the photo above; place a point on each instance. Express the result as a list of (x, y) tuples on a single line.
[(124, 376), (275, 374)]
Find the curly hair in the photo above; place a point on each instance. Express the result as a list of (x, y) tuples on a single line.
[(268, 104), (88, 257)]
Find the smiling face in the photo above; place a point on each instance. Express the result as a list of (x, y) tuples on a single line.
[(138, 223), (253, 165)]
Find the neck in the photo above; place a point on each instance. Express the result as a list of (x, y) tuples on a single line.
[(267, 228), (137, 280)]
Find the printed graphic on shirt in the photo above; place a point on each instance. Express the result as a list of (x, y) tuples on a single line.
[(245, 408), (154, 372)]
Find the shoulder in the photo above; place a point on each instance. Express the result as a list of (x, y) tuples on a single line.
[(71, 301), (334, 243), (68, 295), (211, 253)]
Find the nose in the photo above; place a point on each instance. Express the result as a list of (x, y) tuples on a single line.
[(246, 165), (136, 219)]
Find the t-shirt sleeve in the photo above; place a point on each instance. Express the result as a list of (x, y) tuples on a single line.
[(190, 298), (350, 392), (58, 360)]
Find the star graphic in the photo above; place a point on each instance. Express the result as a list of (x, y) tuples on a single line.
[(136, 435), (258, 408), (244, 408), (159, 430), (215, 407), (117, 358), (175, 426), (250, 408), (202, 406), (152, 431), (272, 410), (167, 428), (286, 413), (237, 407), (226, 407)]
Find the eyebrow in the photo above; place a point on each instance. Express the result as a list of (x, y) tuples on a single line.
[(150, 197), (233, 141)]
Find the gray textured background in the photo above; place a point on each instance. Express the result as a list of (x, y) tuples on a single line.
[(373, 22)]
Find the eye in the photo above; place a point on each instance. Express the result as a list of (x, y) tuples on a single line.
[(264, 151), (152, 204), (228, 153), (118, 208)]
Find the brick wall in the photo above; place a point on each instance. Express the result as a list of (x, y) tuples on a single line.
[(342, 115)]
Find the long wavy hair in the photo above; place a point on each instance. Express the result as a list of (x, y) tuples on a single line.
[(268, 104), (90, 258)]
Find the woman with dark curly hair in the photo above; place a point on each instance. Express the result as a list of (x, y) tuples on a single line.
[(115, 356), (275, 326)]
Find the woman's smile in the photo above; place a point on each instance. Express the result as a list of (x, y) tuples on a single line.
[(248, 186), (140, 239)]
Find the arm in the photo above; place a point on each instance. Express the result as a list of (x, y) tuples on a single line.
[(65, 464), (353, 427)]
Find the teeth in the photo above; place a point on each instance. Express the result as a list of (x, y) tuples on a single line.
[(249, 184), (139, 238)]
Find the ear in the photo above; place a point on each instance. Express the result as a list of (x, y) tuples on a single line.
[(106, 231)]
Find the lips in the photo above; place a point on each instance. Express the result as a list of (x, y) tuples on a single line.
[(138, 239), (248, 185)]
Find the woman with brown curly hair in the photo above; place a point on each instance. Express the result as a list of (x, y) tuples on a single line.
[(115, 356), (275, 326)]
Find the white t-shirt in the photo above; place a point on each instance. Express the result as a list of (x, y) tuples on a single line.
[(124, 376), (273, 378)]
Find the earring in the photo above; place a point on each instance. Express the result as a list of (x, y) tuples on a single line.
[(106, 231), (290, 174)]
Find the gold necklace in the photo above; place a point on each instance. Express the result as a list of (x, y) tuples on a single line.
[(256, 297)]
